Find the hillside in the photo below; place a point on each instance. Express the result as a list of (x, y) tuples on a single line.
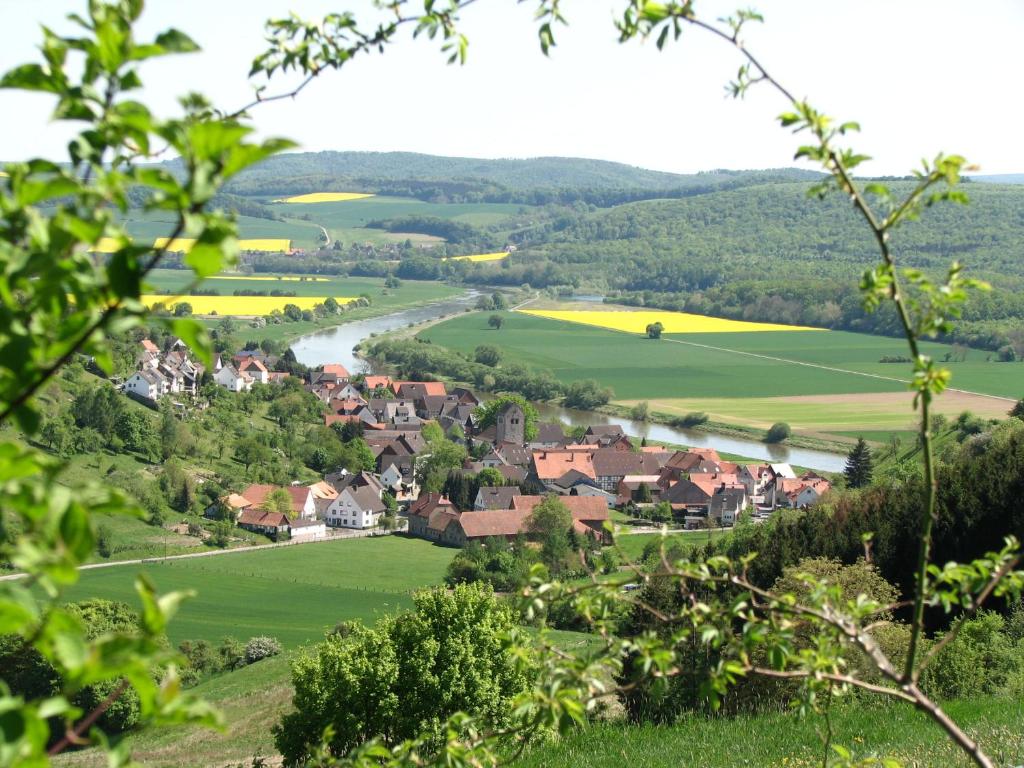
[(542, 179)]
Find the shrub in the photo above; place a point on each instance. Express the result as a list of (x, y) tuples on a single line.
[(261, 647), (692, 419), (778, 432)]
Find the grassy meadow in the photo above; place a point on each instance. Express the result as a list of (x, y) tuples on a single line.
[(894, 730), (292, 593), (346, 220), (823, 382)]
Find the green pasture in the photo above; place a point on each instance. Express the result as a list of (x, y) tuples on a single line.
[(631, 545), (355, 214), (293, 593), (978, 372), (145, 227), (639, 368)]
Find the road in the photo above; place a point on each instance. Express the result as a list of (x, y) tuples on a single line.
[(333, 536)]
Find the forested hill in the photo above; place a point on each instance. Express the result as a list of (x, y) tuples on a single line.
[(460, 179)]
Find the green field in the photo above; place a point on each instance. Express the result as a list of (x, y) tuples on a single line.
[(751, 379), (293, 593), (147, 226), (632, 545)]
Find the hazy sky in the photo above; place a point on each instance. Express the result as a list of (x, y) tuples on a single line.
[(919, 75)]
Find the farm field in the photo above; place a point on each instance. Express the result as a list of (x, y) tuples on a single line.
[(309, 290), (237, 305), (292, 593), (325, 197), (672, 322), (147, 227), (822, 382), (480, 257), (346, 220)]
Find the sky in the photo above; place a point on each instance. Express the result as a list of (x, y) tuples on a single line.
[(920, 76)]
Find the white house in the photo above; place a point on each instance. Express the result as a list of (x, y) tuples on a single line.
[(356, 508), (229, 378), (308, 530), (256, 370), (147, 383)]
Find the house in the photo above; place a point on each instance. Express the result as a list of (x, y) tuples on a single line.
[(308, 530), (631, 488), (611, 465), (464, 396), (273, 524), (232, 379), (682, 463), (255, 370), (302, 504), (514, 455), (492, 497), (230, 505), (549, 466), (694, 493), (398, 475), (373, 383), (149, 357), (147, 383), (356, 507), (589, 513), (726, 505), (423, 509), (417, 390), (549, 435)]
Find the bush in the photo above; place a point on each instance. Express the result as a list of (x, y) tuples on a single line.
[(692, 419), (778, 432), (261, 647)]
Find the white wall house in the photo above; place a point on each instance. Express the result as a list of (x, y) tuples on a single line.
[(308, 530), (146, 383), (229, 378), (356, 508)]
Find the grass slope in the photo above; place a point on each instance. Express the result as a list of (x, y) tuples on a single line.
[(145, 227), (292, 593), (783, 739)]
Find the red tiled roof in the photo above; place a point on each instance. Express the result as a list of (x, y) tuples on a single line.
[(149, 346), (426, 504), (337, 369), (252, 362), (581, 507), (372, 382), (551, 465), (253, 516)]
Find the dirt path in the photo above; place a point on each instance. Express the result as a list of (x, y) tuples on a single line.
[(354, 534)]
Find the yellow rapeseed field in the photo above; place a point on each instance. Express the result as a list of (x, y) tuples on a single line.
[(325, 197), (673, 322), (270, 244), (106, 245), (237, 305), (481, 257)]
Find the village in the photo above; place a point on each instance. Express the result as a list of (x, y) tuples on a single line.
[(593, 472)]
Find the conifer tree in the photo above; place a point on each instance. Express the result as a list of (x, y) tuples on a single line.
[(858, 465)]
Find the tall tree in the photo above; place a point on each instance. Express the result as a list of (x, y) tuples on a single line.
[(858, 465)]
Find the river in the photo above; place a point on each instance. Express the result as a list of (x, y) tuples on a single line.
[(334, 345)]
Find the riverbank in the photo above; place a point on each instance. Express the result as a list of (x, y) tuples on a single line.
[(837, 445)]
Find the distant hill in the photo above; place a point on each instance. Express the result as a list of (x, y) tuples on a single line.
[(538, 180)]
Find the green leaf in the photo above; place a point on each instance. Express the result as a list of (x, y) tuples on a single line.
[(30, 77), (176, 41)]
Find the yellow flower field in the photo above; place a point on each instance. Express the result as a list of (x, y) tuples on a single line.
[(674, 322), (481, 257), (107, 245), (325, 197), (269, 244), (237, 305)]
